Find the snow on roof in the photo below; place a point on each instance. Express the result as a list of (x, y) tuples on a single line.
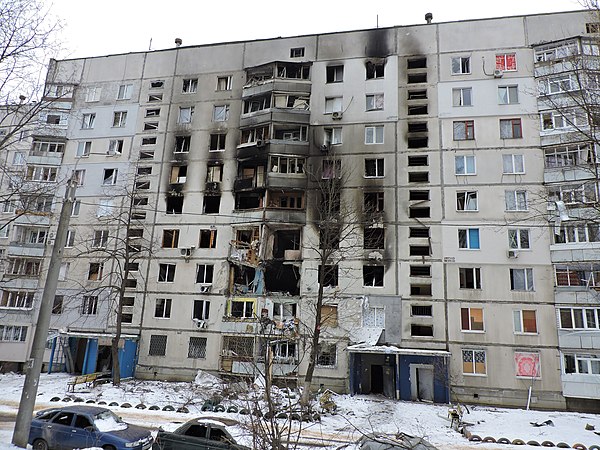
[(366, 335), (365, 348)]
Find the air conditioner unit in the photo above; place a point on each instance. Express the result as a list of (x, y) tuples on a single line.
[(512, 253), (187, 252), (498, 73), (260, 143), (337, 115), (200, 323)]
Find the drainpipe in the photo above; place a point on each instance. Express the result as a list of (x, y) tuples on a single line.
[(397, 376)]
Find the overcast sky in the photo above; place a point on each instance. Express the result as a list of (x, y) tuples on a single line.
[(121, 26)]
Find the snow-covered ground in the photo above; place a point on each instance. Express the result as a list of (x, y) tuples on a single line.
[(355, 415)]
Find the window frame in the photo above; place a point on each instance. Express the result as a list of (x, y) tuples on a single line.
[(464, 128), (528, 279), (463, 67), (467, 326), (459, 97), (465, 163), (473, 352), (519, 321), (470, 241)]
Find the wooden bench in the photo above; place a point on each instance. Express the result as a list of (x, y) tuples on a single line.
[(88, 380)]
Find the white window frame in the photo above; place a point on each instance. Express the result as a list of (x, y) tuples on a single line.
[(461, 65), (374, 135), (527, 276), (513, 164), (516, 238), (374, 102), (87, 122), (166, 308), (516, 201), (125, 92), (186, 114), (518, 323), (220, 113), (334, 104), (92, 94), (189, 85), (470, 329), (470, 201), (508, 95), (473, 352), (465, 165), (462, 97)]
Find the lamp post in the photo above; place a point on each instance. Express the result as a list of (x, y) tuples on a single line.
[(34, 364)]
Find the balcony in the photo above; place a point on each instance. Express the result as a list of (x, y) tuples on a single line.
[(248, 183), (286, 181), (282, 115), (26, 249)]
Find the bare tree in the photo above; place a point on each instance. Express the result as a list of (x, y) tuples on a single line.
[(337, 222), (117, 247)]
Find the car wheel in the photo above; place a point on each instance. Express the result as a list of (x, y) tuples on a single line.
[(40, 444), (108, 447)]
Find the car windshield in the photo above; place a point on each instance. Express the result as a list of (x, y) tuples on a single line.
[(109, 421)]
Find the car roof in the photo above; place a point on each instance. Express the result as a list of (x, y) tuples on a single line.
[(79, 409), (212, 420)]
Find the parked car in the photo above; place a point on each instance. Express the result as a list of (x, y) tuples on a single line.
[(203, 433), (82, 426)]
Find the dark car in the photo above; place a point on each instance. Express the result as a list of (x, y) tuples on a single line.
[(204, 433), (85, 426)]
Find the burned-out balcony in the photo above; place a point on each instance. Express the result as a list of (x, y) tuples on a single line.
[(244, 253), (248, 183), (277, 71), (284, 115)]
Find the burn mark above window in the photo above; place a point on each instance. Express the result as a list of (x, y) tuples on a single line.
[(374, 69)]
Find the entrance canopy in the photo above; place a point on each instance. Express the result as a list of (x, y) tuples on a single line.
[(393, 350)]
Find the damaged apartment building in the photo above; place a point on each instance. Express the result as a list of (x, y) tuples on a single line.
[(440, 282)]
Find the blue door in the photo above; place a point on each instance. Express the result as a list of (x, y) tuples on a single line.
[(127, 357)]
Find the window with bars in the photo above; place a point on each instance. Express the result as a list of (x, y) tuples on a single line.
[(197, 347), (158, 345), (242, 347)]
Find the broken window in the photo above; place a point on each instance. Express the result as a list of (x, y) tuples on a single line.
[(255, 135), (421, 94), (119, 119), (297, 52), (331, 169), (373, 276), (418, 232), (89, 306), (88, 121), (142, 185), (330, 275), (140, 201), (326, 354), (95, 271), (190, 85), (182, 144), (417, 142), (208, 239), (418, 160), (286, 164), (212, 204), (185, 114), (170, 238), (335, 74), (420, 271), (417, 110), (414, 78), (217, 142), (374, 70), (373, 202), (157, 84), (166, 273), (374, 238), (174, 204), (284, 311), (84, 148), (461, 65), (150, 126), (241, 308), (374, 168), (214, 173), (201, 310), (155, 98), (105, 207), (421, 330), (419, 212), (291, 200), (149, 140), (420, 289), (259, 103), (466, 201), (329, 316), (416, 63), (221, 113), (329, 236), (115, 147), (239, 346), (178, 174), (110, 176)]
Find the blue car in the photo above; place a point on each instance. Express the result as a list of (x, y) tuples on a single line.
[(82, 426)]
